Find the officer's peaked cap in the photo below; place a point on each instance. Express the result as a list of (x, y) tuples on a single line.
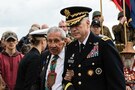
[(75, 14)]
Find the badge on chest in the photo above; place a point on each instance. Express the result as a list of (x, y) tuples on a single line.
[(71, 59), (95, 51), (51, 78)]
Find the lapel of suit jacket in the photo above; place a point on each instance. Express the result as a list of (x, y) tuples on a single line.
[(47, 63), (44, 70)]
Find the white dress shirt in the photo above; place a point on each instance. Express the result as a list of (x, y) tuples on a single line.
[(59, 70)]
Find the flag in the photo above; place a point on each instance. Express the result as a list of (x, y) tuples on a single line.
[(129, 9), (118, 4), (132, 14)]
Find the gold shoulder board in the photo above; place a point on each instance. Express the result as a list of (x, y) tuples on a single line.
[(105, 38)]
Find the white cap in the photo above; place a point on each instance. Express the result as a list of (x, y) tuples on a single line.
[(40, 32)]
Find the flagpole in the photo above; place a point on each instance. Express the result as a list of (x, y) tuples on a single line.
[(125, 31), (101, 17)]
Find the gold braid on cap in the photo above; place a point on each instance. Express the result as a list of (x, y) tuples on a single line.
[(78, 14), (67, 13), (75, 20)]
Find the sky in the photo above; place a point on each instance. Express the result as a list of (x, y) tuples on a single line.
[(19, 15)]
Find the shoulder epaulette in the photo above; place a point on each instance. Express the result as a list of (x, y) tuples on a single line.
[(105, 38)]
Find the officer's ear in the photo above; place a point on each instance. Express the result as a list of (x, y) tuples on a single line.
[(88, 22)]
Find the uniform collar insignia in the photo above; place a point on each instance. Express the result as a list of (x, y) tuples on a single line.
[(96, 43), (72, 56), (90, 43), (48, 57)]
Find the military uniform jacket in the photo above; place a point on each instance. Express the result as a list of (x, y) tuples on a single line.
[(118, 31), (106, 32), (98, 67), (45, 61)]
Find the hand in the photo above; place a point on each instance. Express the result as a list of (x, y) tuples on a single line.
[(128, 88), (101, 19), (2, 83), (122, 20), (69, 75)]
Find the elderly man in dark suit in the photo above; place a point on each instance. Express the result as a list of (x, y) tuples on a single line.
[(54, 60)]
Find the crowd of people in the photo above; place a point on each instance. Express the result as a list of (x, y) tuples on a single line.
[(75, 55)]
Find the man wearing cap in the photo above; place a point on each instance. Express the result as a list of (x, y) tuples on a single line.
[(30, 66), (63, 25), (44, 26), (94, 60), (118, 31), (96, 27), (97, 15), (9, 60)]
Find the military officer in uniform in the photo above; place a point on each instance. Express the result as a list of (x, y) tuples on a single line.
[(91, 62)]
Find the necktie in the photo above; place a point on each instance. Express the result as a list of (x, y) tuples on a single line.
[(81, 47), (52, 74)]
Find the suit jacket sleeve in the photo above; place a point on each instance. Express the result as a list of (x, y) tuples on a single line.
[(33, 71), (67, 85), (113, 67)]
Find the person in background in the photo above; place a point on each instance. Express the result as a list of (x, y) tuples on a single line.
[(44, 26), (2, 45), (28, 77), (97, 15), (54, 67), (91, 62), (34, 27), (9, 60), (63, 25), (26, 39), (96, 27), (25, 48), (118, 31)]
